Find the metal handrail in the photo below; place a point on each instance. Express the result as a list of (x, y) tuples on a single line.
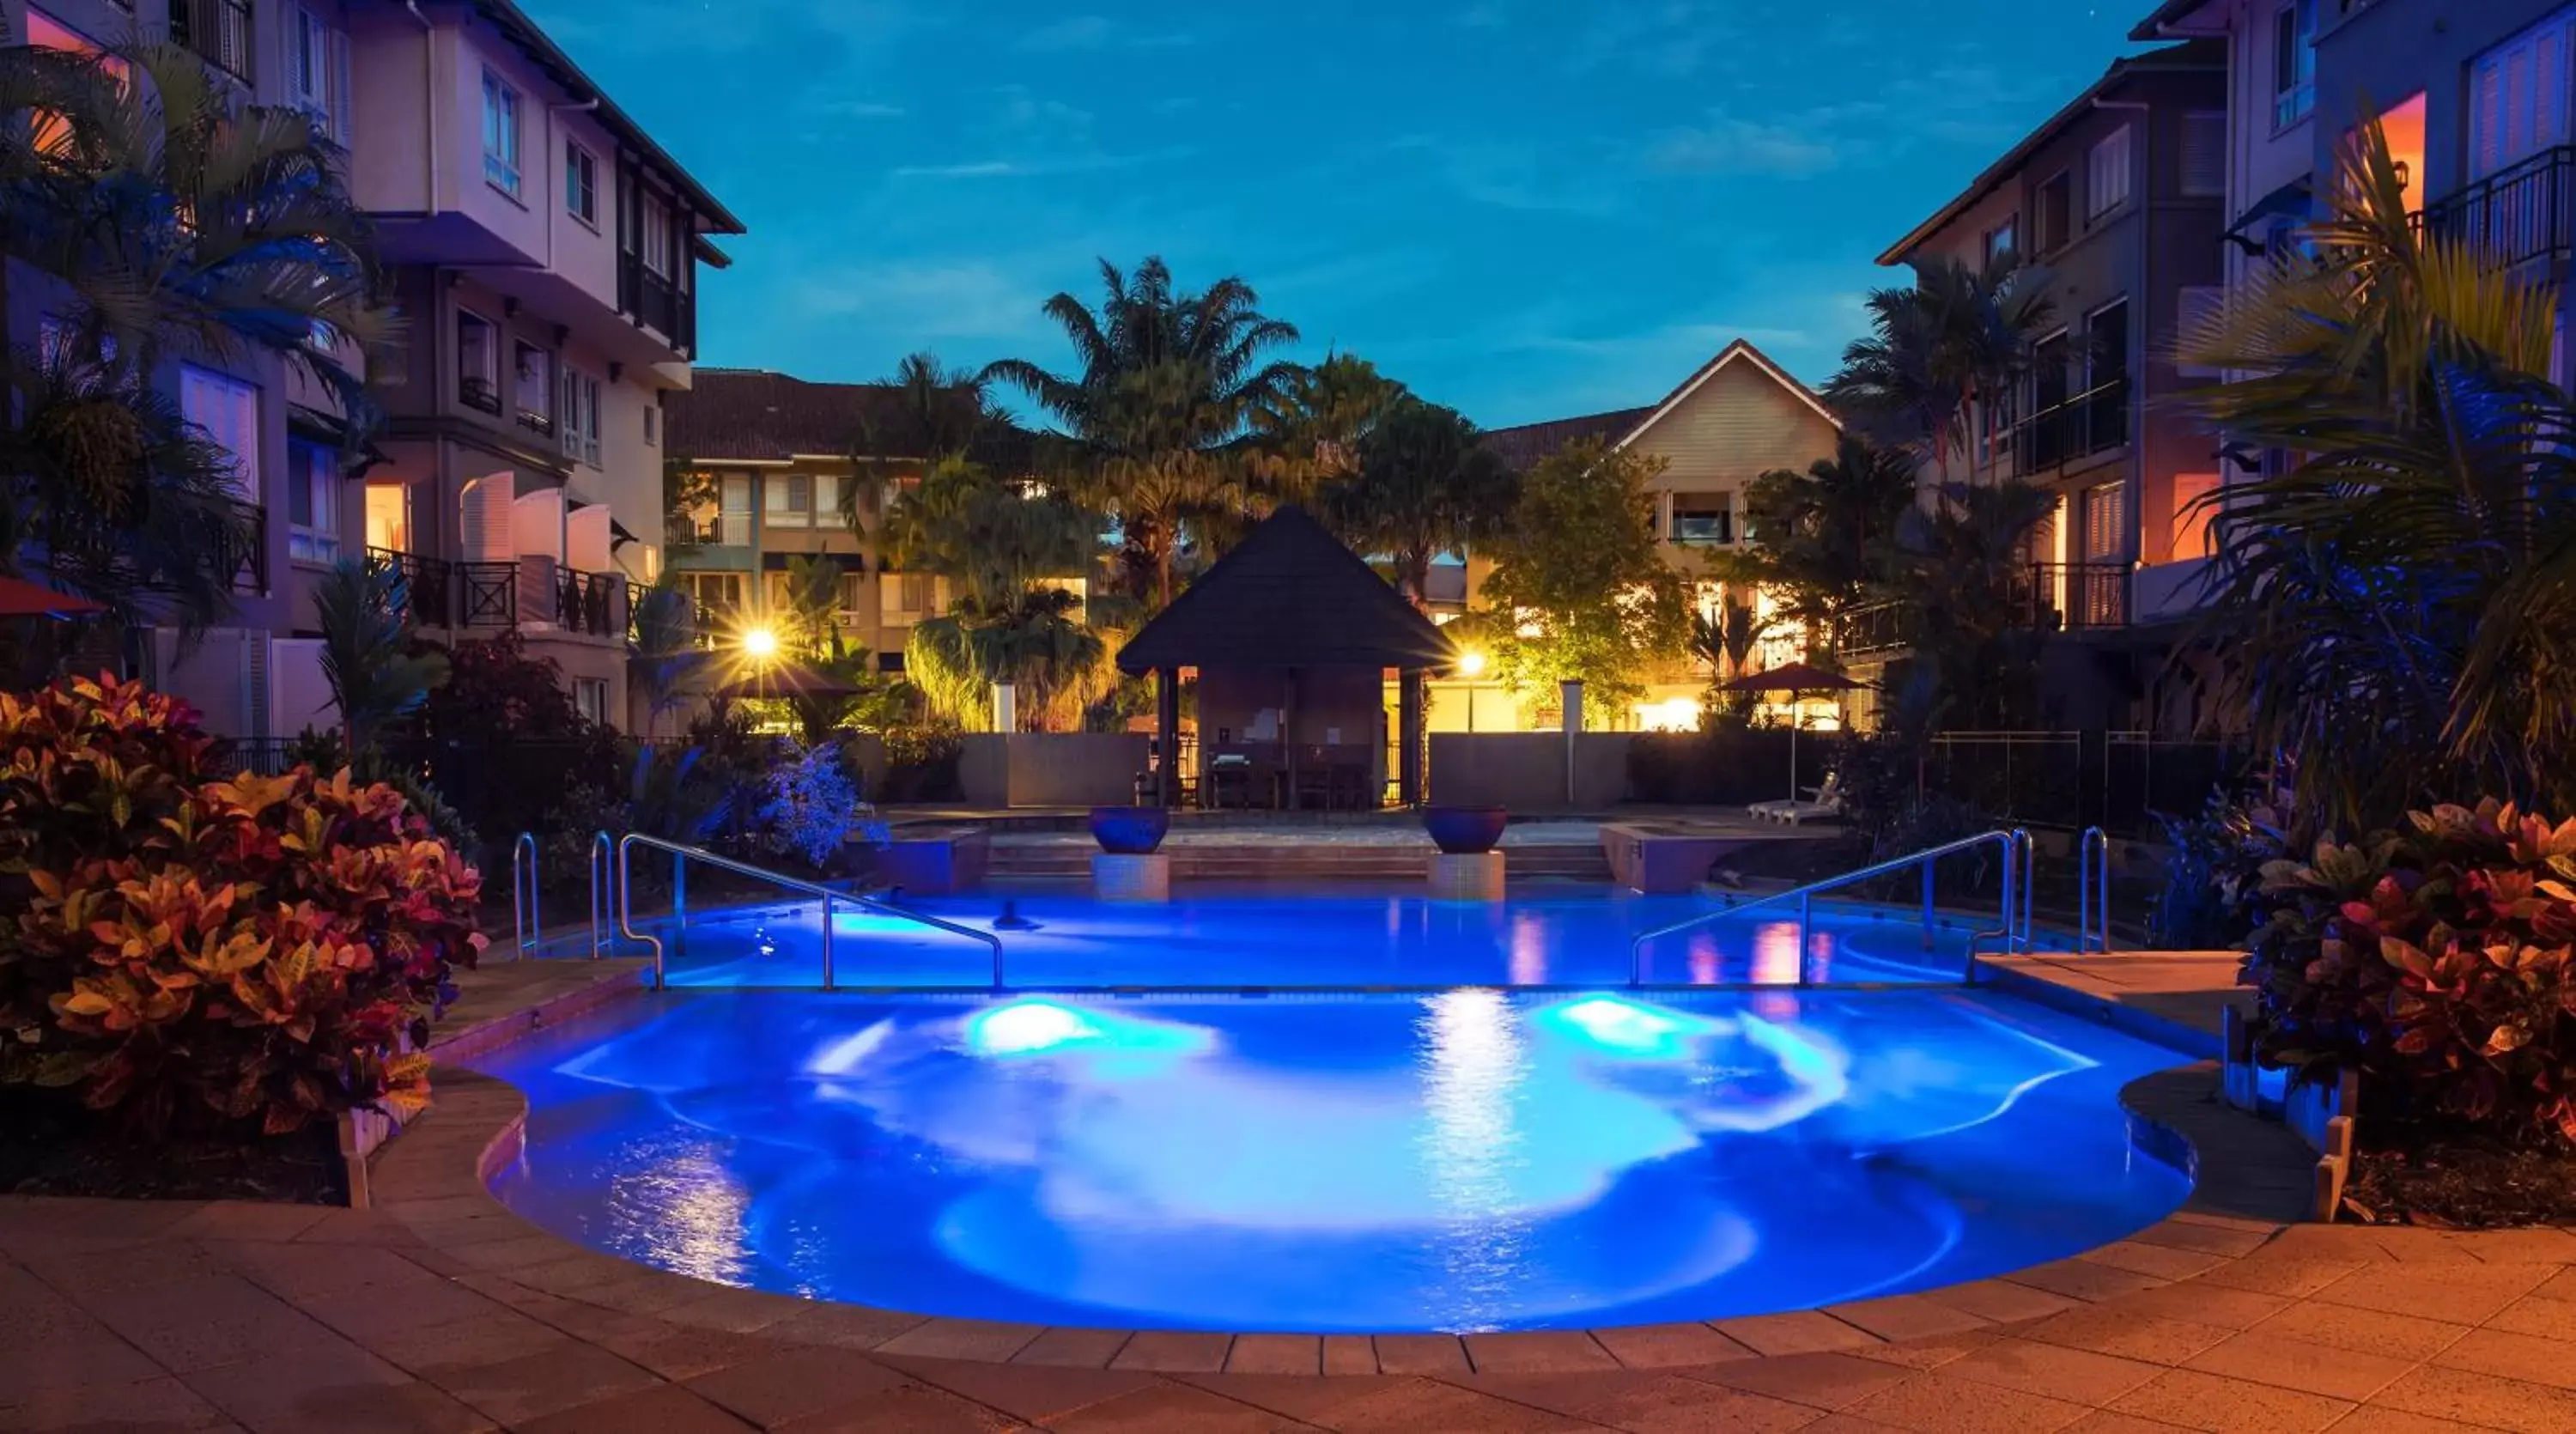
[(681, 855), (2092, 899), (2029, 884), (526, 922), (2014, 844), (603, 872)]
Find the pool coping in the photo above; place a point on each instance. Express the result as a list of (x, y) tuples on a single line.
[(2249, 1177)]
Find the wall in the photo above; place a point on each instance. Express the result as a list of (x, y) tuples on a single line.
[(1052, 769), (2397, 47), (1525, 771)]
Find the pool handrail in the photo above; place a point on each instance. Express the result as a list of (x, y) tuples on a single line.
[(2092, 896), (603, 873), (681, 854), (526, 923), (2016, 846)]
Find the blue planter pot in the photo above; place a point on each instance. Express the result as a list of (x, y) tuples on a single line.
[(1130, 831), (1464, 831)]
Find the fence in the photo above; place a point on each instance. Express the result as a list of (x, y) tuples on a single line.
[(2118, 781)]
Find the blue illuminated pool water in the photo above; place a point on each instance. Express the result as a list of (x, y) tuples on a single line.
[(1469, 1160), (1577, 936)]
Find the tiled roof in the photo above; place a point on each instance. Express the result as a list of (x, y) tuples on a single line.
[(1521, 448), (754, 414), (1289, 595)]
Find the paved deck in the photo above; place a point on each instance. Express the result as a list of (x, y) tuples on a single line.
[(442, 1311)]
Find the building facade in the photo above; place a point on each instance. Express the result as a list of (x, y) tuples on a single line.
[(541, 252), (2119, 199)]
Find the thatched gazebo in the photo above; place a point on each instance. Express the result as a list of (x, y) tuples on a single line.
[(1292, 636)]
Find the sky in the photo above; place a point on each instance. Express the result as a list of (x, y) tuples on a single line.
[(1526, 209)]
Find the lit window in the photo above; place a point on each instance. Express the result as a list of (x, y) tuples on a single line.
[(478, 362), (2001, 241), (581, 184), (2106, 175), (53, 133), (500, 134), (2294, 62), (2191, 505), (225, 412), (580, 416), (789, 499), (312, 501), (317, 72)]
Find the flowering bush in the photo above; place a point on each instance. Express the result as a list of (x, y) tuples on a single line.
[(189, 950), (2436, 962), (808, 803)]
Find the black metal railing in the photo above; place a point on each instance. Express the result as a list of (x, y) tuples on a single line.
[(593, 603), (250, 565), (2094, 421), (424, 584), (1872, 630), (486, 594), (479, 393), (2515, 215), (219, 31), (660, 303), (2072, 597)]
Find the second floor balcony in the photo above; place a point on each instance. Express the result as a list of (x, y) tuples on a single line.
[(2041, 597), (2094, 421), (2517, 215), (219, 31), (532, 593)]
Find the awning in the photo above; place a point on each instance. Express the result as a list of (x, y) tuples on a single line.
[(2291, 201)]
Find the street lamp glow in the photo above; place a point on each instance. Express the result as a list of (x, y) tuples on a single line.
[(760, 643), (1471, 663)]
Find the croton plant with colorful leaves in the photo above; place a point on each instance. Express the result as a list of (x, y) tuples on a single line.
[(186, 948), (2436, 962)]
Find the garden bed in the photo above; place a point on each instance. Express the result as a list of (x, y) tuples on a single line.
[(2455, 1179), (49, 1146)]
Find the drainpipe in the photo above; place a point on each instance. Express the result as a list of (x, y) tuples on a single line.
[(429, 98), (2141, 311)]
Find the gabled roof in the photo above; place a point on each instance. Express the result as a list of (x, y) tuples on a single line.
[(1289, 595), (2208, 55), (759, 415), (2152, 28), (1524, 446)]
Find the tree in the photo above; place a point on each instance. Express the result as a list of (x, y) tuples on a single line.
[(177, 222), (1725, 634), (2397, 612), (376, 674), (808, 622), (1580, 584), (1967, 599), (1313, 437), (1830, 536), (1424, 484), (665, 645), (1957, 340), (991, 538), (1155, 417), (938, 414)]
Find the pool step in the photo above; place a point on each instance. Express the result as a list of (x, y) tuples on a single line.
[(1068, 860)]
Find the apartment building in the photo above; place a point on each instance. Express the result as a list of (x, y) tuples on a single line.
[(787, 464), (2120, 198), (542, 253), (1735, 418)]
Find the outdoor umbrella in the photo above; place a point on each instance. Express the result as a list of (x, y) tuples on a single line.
[(21, 598), (1792, 677), (787, 680)]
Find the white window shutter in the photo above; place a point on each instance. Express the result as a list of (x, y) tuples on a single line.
[(2487, 117), (2204, 154)]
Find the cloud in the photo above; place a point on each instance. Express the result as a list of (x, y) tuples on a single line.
[(1727, 144), (1038, 167), (1097, 32), (1483, 17), (968, 299), (857, 109)]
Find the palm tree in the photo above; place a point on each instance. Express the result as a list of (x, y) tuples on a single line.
[(176, 222), (1424, 484), (1830, 536), (1314, 437), (2398, 611), (1165, 394), (1968, 598), (362, 609), (665, 645), (1957, 340), (938, 413)]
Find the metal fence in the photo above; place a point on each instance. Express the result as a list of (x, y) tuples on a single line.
[(2119, 781)]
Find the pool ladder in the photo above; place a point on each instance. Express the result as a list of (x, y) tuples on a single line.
[(2093, 892), (2013, 911)]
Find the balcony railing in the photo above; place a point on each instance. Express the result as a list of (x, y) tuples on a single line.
[(488, 595), (658, 302), (1872, 630), (2075, 596), (2094, 421), (593, 603), (219, 31), (250, 566), (479, 393), (2514, 215)]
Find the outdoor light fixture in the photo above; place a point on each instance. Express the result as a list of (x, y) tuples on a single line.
[(760, 642), (1471, 664)]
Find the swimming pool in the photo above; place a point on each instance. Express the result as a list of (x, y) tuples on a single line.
[(1466, 1160), (1265, 937)]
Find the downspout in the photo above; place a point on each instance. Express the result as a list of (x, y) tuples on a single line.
[(429, 98), (2141, 315)]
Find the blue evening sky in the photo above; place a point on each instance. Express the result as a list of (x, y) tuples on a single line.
[(1525, 208)]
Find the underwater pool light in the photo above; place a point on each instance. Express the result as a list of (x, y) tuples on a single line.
[(1025, 1027), (1634, 1028)]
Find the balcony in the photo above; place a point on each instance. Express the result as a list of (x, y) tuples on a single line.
[(219, 31), (2094, 421), (592, 603), (250, 566), (2515, 215), (498, 596), (657, 303), (2075, 597), (479, 393)]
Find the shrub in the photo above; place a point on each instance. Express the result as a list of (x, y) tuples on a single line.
[(808, 804), (2213, 874), (921, 764), (185, 950), (2435, 962)]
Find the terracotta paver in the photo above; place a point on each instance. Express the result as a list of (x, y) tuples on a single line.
[(443, 1312)]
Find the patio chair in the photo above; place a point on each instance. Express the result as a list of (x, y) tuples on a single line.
[(1828, 803)]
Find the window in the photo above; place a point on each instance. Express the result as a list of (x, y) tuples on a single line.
[(2204, 154), (46, 33), (2104, 509), (2106, 175), (655, 240), (2053, 220), (581, 184), (317, 72), (389, 517), (578, 416), (2191, 505), (226, 411), (478, 362), (500, 135), (534, 387), (2294, 62), (788, 500), (312, 501), (715, 595), (854, 597), (905, 598), (734, 526), (2000, 241), (2202, 307), (2518, 96), (1703, 518), (590, 698), (653, 422)]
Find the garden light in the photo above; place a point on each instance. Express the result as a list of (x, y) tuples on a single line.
[(1471, 664), (760, 643)]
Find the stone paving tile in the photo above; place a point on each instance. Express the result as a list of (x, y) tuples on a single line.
[(1420, 1405), (2467, 1294), (2265, 1358), (2513, 1356), (778, 1387), (1669, 1346), (32, 1226), (663, 1409), (1074, 1348), (2079, 1280), (910, 1410), (963, 1339), (2537, 1246), (206, 1321), (1036, 1393), (1682, 1406), (2131, 1336), (1349, 1354), (2104, 1421), (1805, 1332), (1906, 1317), (1174, 1352), (533, 1386), (2162, 1261), (243, 1220), (2373, 1419), (679, 1353), (2219, 1405), (1928, 1353), (1938, 1403), (2481, 1399), (1826, 1381), (1537, 1352), (2208, 1239), (132, 1267), (2059, 1371), (2366, 1331), (1421, 1354), (2279, 1274), (734, 1311), (844, 1326), (1292, 1397), (327, 1389), (160, 1405), (2538, 1315), (2199, 1302), (50, 1346), (480, 1339), (1275, 1354), (1163, 1407), (2001, 1301)]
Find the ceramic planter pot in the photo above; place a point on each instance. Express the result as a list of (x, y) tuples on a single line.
[(1130, 831), (1465, 831)]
